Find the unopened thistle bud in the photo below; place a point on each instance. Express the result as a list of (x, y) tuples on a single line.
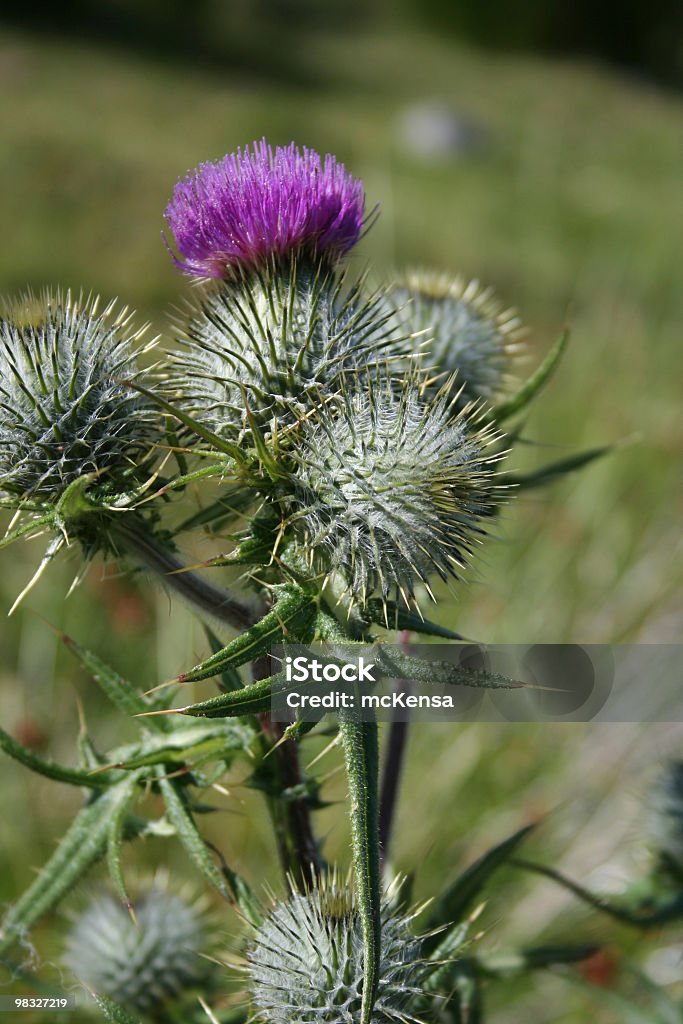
[(461, 328), (256, 350), (305, 965), (666, 816), (140, 963), (65, 411), (391, 487), (259, 205)]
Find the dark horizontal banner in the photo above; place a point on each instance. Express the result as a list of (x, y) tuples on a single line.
[(480, 683)]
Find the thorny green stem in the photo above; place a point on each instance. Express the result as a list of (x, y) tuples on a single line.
[(216, 603), (360, 742)]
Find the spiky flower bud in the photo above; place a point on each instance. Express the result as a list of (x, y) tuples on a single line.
[(260, 346), (306, 962), (666, 816), (461, 328), (143, 962), (391, 487), (64, 408), (261, 204)]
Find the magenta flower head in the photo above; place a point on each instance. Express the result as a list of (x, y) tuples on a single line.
[(261, 204)]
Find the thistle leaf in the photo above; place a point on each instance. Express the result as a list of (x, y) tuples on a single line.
[(547, 473), (250, 700), (459, 897), (26, 529), (114, 1013), (531, 388), (291, 616), (119, 691), (116, 834), (82, 845), (180, 816), (645, 915), (395, 664), (50, 769)]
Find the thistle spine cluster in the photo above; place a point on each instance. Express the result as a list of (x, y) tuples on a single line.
[(392, 487), (141, 961), (261, 346), (305, 964), (461, 328), (65, 411)]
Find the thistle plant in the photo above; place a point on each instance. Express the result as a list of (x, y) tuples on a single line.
[(261, 204), (353, 443), (142, 958), (76, 445), (305, 962), (391, 489), (462, 329)]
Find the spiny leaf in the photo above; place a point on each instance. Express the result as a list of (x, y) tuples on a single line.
[(542, 476), (219, 443), (395, 664), (508, 964), (390, 662), (293, 613), (42, 766), (121, 693), (180, 816), (195, 744), (251, 700), (113, 1012), (461, 894), (647, 915), (33, 526), (82, 845), (534, 384), (116, 835)]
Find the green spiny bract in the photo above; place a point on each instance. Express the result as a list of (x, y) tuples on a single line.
[(666, 817), (460, 328), (390, 488), (257, 347), (139, 963), (65, 412), (305, 965)]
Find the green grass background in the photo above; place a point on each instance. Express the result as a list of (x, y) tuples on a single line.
[(572, 209)]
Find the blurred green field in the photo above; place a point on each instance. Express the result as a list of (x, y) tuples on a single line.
[(572, 208)]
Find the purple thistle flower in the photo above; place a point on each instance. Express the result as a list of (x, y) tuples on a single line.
[(257, 204)]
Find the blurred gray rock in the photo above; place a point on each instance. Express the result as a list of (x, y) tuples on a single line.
[(432, 130)]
